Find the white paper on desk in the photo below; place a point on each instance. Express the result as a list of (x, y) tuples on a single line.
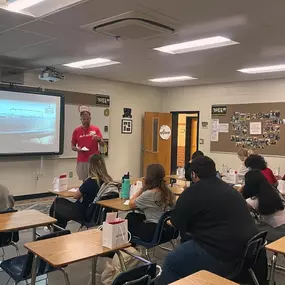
[(73, 190)]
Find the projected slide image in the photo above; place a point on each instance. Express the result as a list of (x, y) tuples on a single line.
[(24, 124)]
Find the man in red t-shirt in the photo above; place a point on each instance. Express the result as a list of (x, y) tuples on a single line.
[(85, 140)]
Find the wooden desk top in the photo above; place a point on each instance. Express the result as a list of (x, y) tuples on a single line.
[(172, 176), (203, 278), (22, 220), (116, 204), (71, 248), (176, 190), (64, 194), (277, 246)]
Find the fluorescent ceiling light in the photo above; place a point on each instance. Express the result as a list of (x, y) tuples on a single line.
[(263, 69), (19, 5), (201, 44), (91, 63), (171, 79)]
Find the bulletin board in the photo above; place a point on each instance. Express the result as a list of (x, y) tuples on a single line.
[(257, 126)]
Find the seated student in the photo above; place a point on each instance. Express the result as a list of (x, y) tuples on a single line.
[(6, 203), (153, 200), (64, 210), (255, 161), (195, 154), (243, 154), (267, 202), (220, 223), (6, 199)]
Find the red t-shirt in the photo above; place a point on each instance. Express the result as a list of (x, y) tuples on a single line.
[(84, 137), (267, 172)]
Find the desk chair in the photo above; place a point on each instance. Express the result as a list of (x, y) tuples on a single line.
[(251, 260), (141, 275), (10, 238), (163, 233), (97, 213), (19, 268)]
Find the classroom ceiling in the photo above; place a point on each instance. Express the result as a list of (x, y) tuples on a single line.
[(65, 36)]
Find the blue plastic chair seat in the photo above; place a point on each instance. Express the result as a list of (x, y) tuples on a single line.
[(14, 266), (136, 273), (163, 233), (19, 267)]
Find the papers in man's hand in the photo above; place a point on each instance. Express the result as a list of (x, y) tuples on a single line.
[(85, 148), (127, 202)]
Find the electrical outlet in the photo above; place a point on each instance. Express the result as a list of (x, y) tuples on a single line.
[(70, 174)]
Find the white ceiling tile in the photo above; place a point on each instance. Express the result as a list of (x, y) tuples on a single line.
[(91, 11), (10, 19), (15, 40)]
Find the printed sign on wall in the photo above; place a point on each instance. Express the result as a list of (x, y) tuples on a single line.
[(219, 110), (165, 132)]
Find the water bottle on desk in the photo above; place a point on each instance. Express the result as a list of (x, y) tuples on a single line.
[(126, 184)]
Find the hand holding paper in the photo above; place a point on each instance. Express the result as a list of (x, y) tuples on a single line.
[(85, 148)]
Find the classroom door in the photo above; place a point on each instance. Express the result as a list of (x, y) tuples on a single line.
[(157, 140)]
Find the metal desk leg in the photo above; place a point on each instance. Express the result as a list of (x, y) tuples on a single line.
[(34, 271), (122, 263), (94, 264), (272, 272), (34, 234)]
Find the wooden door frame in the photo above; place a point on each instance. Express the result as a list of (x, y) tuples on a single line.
[(174, 135)]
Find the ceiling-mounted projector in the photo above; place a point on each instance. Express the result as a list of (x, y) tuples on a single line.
[(51, 75)]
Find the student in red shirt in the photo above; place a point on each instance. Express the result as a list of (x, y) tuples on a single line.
[(89, 137), (256, 161)]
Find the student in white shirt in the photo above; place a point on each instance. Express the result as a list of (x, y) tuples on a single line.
[(243, 154), (6, 199), (267, 202)]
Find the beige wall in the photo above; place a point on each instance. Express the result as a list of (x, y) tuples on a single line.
[(20, 174), (201, 98)]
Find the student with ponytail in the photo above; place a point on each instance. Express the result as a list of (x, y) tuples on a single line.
[(153, 200), (64, 210)]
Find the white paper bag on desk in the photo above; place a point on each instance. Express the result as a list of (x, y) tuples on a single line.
[(60, 183), (281, 186), (115, 234)]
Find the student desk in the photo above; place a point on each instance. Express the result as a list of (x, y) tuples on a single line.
[(203, 278), (68, 249), (276, 247), (177, 190), (173, 178), (116, 204), (23, 220), (63, 194)]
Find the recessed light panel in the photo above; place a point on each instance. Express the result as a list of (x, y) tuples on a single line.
[(171, 79), (91, 63), (201, 44)]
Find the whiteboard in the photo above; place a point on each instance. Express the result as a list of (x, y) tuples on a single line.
[(72, 121)]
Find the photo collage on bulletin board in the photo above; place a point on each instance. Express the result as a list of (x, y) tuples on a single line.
[(256, 126), (256, 130)]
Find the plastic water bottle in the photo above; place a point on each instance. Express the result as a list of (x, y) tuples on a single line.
[(126, 184)]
